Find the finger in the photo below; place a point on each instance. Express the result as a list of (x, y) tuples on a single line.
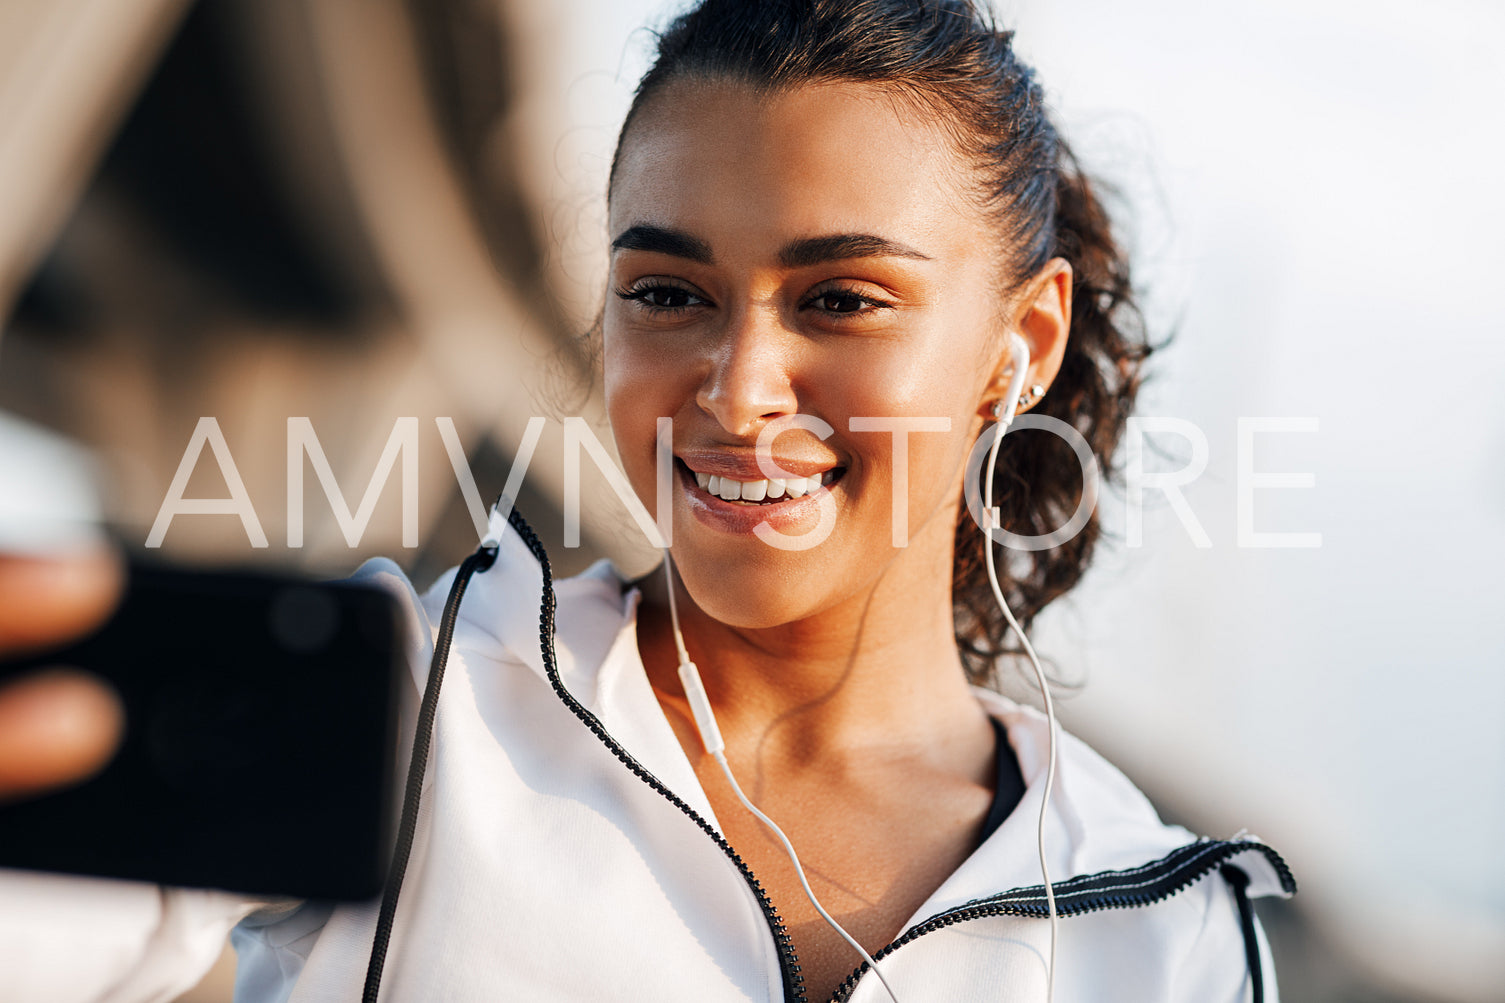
[(57, 727), (49, 600)]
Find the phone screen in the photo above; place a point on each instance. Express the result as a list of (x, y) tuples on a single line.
[(258, 748)]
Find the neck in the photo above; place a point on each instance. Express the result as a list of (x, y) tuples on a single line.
[(879, 673)]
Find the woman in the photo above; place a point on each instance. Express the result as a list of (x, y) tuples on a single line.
[(890, 202), (842, 232)]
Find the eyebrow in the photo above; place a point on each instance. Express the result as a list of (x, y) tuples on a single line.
[(662, 240), (796, 254), (841, 246)]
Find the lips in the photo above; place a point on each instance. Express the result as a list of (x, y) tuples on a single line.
[(736, 505)]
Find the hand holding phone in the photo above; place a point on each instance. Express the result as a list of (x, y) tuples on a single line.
[(58, 579), (258, 738), (61, 725), (241, 724)]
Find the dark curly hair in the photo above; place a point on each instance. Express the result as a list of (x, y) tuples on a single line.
[(947, 55)]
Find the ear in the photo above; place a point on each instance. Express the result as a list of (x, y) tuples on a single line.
[(1042, 316)]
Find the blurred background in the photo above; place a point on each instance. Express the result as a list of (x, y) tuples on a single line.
[(354, 212)]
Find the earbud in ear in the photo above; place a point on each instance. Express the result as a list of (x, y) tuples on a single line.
[(1003, 410)]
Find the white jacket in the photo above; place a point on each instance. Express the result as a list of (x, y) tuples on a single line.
[(565, 851)]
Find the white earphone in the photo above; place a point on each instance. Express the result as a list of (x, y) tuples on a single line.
[(992, 521), (710, 734)]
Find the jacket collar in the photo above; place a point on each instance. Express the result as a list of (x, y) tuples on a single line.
[(1098, 821)]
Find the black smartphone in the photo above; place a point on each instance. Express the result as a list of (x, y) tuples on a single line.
[(259, 739)]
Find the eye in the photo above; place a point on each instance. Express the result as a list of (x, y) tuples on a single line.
[(843, 301), (661, 297)]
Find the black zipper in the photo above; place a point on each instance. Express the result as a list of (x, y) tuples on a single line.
[(1127, 889), (789, 968)]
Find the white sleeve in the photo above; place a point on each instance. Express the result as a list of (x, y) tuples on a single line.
[(80, 940)]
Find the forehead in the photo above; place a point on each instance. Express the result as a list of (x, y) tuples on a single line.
[(830, 157)]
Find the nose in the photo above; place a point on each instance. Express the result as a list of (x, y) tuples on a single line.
[(749, 381)]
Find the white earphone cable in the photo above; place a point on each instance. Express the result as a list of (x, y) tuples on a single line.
[(710, 736), (800, 870), (993, 521)]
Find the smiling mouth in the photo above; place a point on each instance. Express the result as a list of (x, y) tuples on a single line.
[(768, 491)]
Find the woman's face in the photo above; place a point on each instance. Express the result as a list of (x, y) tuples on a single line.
[(813, 254)]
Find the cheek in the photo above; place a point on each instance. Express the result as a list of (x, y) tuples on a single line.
[(937, 379), (642, 382), (949, 384), (629, 385), (938, 363)]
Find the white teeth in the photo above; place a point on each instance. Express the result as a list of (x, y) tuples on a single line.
[(756, 491)]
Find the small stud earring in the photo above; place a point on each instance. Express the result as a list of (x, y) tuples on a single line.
[(998, 410), (1035, 393)]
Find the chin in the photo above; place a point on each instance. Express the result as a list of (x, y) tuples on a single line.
[(757, 591)]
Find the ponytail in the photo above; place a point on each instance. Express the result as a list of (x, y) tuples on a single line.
[(1040, 479)]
